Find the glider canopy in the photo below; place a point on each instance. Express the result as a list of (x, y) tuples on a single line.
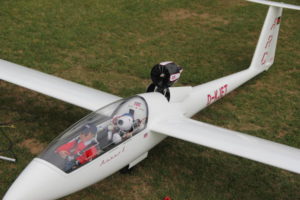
[(97, 133)]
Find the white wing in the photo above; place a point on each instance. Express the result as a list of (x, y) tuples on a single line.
[(58, 88), (276, 4), (232, 142)]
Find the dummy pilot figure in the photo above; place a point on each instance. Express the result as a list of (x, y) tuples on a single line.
[(80, 150), (126, 124), (119, 128)]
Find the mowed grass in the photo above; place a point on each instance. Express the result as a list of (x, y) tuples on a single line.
[(112, 45)]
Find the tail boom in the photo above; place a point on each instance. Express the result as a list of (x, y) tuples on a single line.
[(206, 94), (203, 95)]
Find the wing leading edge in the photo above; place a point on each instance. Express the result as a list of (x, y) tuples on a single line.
[(58, 88), (232, 142)]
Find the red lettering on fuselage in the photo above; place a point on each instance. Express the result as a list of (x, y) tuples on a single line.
[(264, 58), (276, 22), (217, 94), (103, 162), (268, 44)]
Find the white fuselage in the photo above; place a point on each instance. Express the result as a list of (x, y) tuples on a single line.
[(45, 181)]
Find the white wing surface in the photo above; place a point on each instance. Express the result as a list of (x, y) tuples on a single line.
[(276, 4), (232, 142), (58, 88)]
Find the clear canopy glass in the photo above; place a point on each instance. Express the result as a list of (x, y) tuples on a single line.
[(97, 133)]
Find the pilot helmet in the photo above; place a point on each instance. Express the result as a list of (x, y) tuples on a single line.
[(125, 122)]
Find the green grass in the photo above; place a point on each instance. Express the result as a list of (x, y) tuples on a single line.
[(112, 45)]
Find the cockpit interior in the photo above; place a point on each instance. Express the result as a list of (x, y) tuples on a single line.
[(97, 133)]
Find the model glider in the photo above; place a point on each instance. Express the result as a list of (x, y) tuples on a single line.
[(122, 131)]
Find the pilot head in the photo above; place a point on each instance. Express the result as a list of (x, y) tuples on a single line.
[(125, 122), (88, 132)]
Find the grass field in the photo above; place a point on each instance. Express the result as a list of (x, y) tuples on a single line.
[(112, 45)]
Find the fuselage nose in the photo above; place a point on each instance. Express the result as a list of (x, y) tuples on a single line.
[(38, 181)]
